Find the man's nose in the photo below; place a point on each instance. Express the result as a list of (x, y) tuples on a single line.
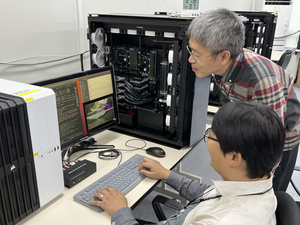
[(191, 59)]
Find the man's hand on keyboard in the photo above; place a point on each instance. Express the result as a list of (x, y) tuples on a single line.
[(112, 200), (153, 169)]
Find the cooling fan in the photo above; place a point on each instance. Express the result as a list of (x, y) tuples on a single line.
[(99, 38), (99, 58)]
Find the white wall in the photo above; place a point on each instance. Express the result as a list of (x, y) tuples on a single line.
[(58, 28), (41, 27)]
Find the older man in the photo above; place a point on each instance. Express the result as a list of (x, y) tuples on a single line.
[(216, 40)]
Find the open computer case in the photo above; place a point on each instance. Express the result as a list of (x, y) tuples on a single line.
[(154, 81), (159, 96)]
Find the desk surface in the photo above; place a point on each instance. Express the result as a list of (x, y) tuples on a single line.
[(64, 210)]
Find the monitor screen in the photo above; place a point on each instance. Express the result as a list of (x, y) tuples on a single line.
[(86, 103)]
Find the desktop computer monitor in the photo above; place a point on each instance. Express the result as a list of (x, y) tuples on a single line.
[(86, 104)]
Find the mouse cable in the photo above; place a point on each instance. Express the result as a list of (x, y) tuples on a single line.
[(115, 153), (135, 148)]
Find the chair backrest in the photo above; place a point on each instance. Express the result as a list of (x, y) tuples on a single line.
[(287, 212), (285, 59)]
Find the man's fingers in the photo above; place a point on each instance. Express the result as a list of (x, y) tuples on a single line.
[(146, 163), (110, 189), (96, 203)]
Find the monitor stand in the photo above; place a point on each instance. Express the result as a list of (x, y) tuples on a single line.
[(85, 144), (88, 143)]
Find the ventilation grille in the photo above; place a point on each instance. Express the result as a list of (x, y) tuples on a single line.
[(18, 186), (275, 2)]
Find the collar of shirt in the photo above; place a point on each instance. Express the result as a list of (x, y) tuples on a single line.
[(228, 188), (234, 68)]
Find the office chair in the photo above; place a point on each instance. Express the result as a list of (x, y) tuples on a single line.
[(297, 168), (289, 61), (287, 212), (285, 59), (162, 200)]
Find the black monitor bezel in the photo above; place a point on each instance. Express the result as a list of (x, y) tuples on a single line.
[(82, 74)]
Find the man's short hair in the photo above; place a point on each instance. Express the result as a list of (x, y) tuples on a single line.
[(252, 129), (219, 30)]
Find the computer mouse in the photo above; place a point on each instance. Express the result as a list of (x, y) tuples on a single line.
[(156, 151)]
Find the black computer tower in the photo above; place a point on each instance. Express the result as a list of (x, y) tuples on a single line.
[(154, 80), (18, 184), (259, 31)]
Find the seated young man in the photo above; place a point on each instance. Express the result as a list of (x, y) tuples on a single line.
[(245, 142)]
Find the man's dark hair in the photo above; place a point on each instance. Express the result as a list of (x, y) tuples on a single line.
[(255, 131)]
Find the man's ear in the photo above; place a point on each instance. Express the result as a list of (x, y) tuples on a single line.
[(224, 57), (235, 159)]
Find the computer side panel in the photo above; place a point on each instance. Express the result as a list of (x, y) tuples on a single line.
[(43, 122)]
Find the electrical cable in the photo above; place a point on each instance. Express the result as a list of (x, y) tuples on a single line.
[(106, 154), (169, 4), (126, 144), (135, 148), (86, 153), (136, 102), (109, 154), (287, 35), (136, 97), (11, 63), (170, 12), (34, 57)]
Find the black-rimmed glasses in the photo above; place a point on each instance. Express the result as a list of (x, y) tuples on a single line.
[(207, 136), (190, 50)]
